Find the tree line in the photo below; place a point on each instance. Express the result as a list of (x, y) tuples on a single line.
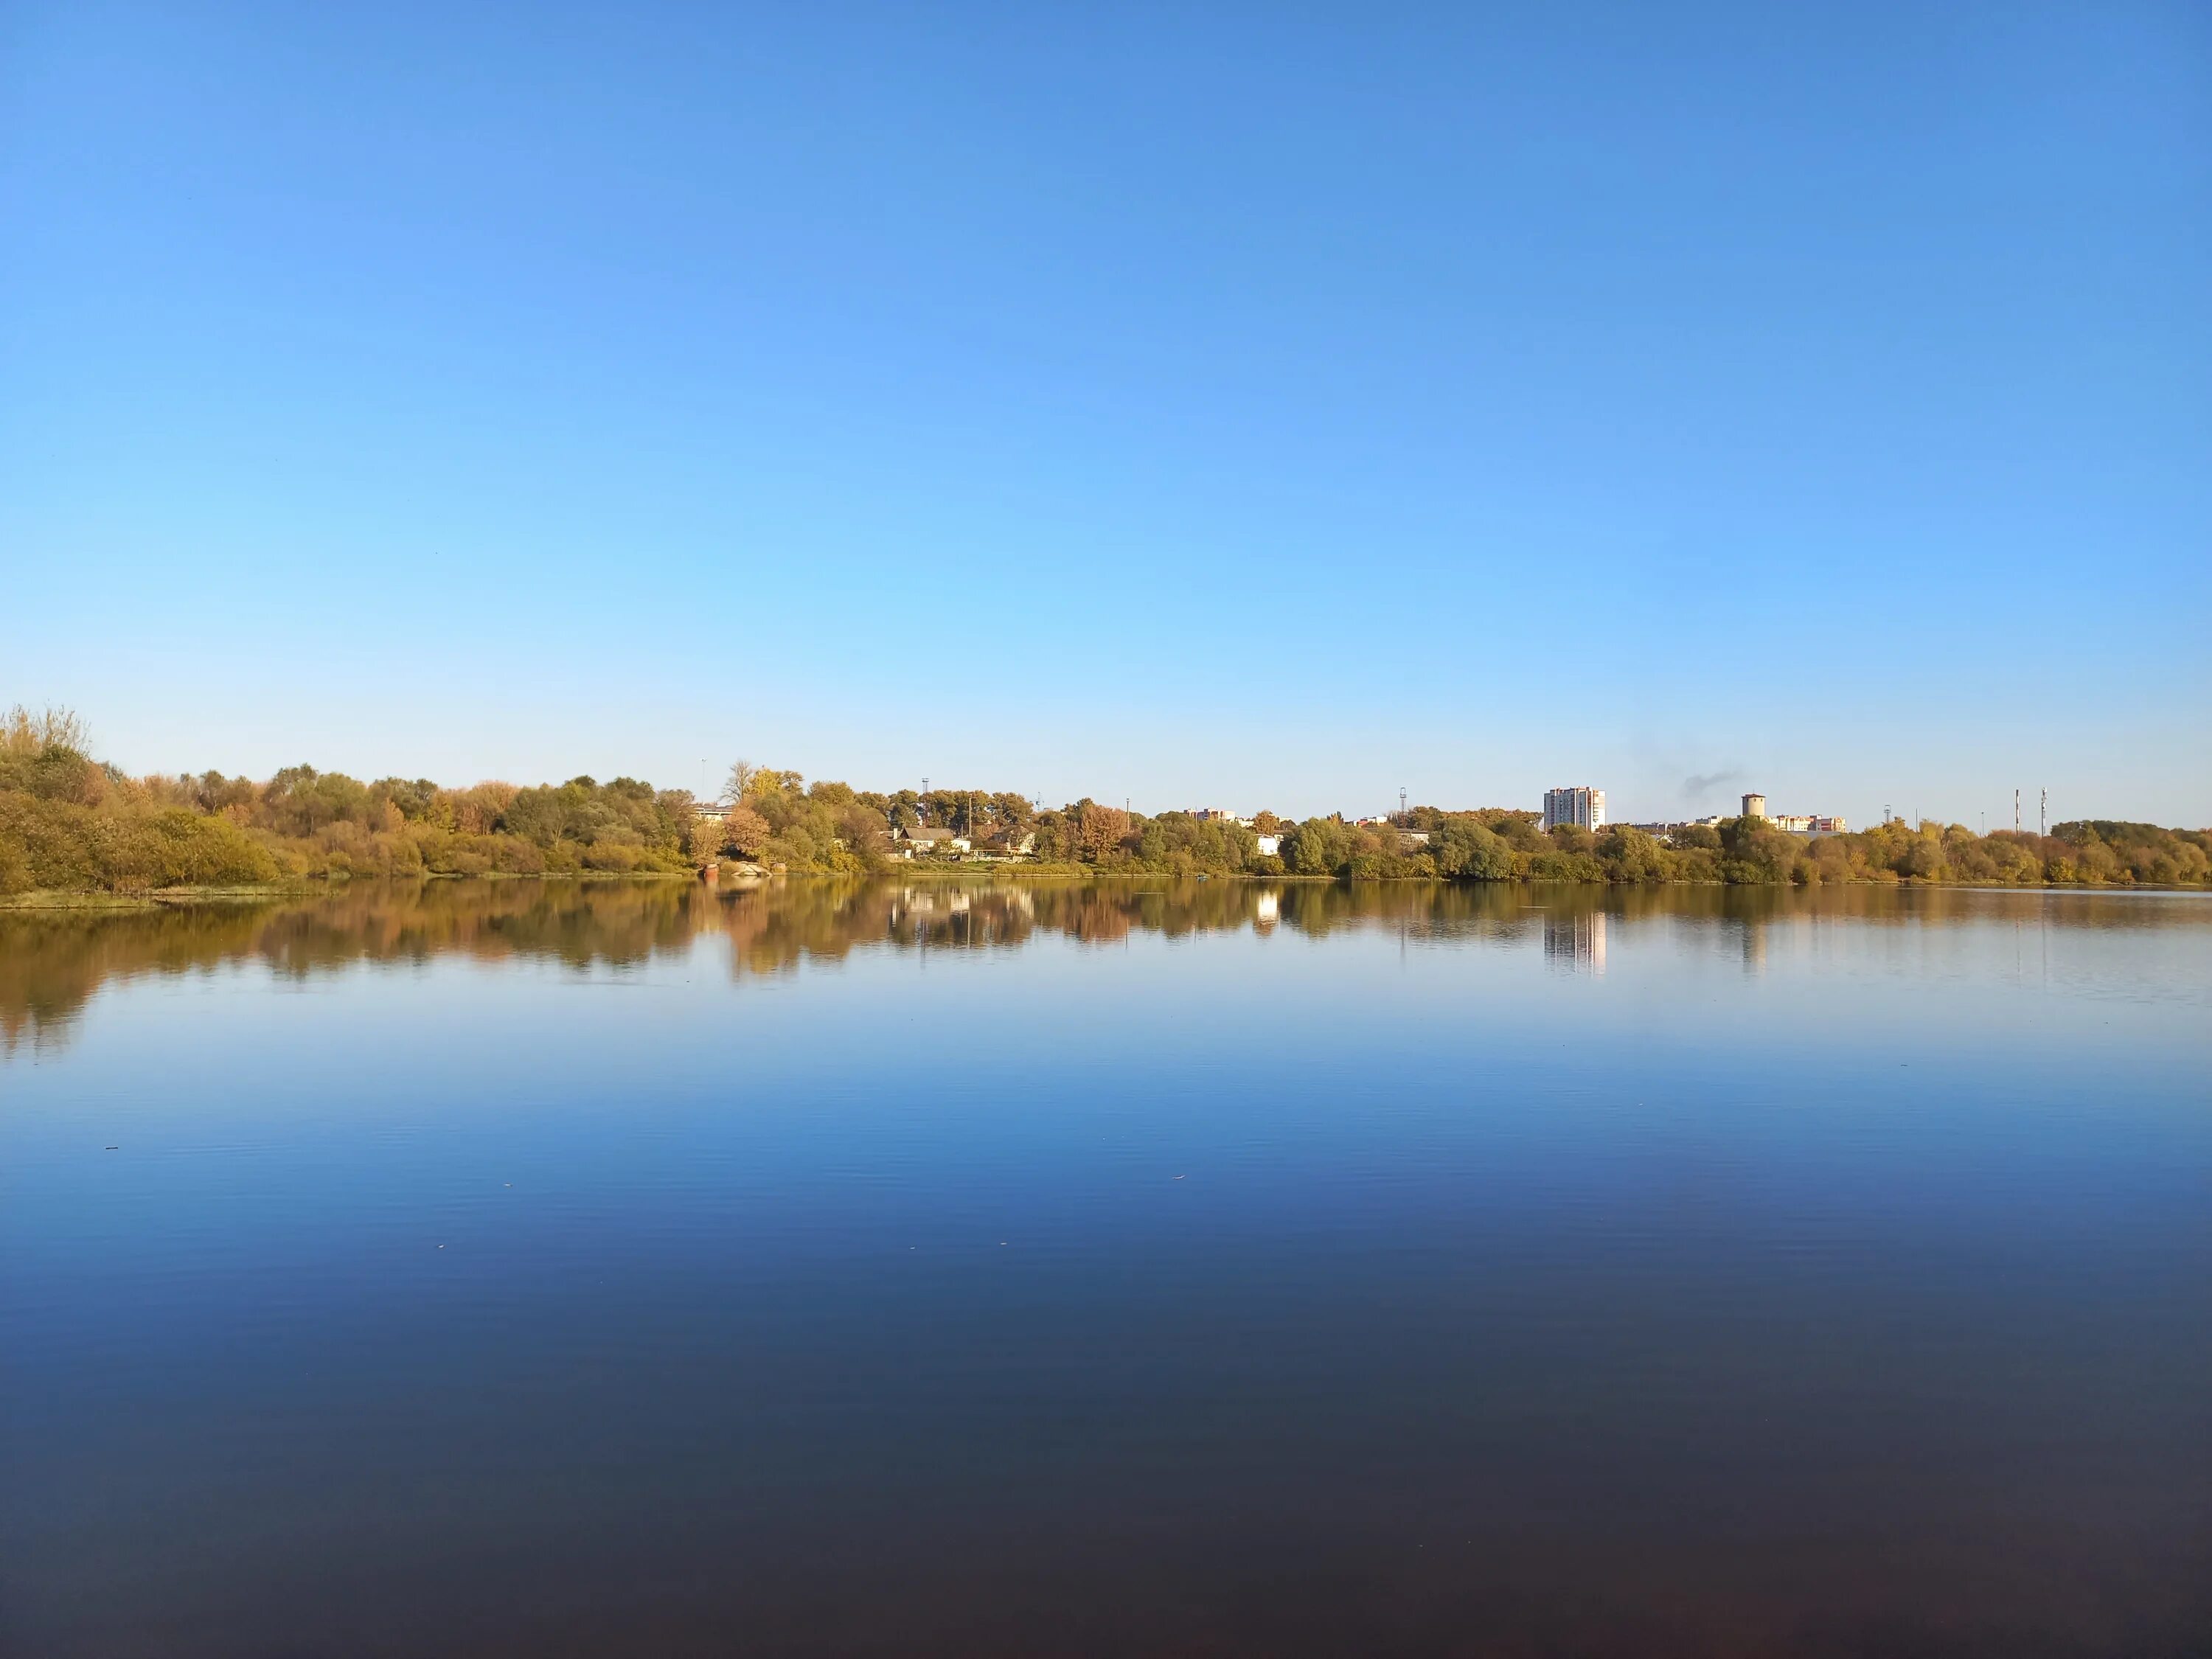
[(68, 822)]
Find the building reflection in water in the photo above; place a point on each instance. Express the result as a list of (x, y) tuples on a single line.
[(1575, 941), (1754, 947)]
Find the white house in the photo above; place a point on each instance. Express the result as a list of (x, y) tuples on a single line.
[(1270, 846)]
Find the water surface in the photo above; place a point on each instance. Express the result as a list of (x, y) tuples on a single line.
[(497, 1268)]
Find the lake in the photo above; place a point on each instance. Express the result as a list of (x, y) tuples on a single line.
[(507, 1268)]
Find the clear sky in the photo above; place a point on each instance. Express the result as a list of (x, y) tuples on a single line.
[(1251, 405)]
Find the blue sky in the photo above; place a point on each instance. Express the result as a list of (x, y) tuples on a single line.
[(1251, 405)]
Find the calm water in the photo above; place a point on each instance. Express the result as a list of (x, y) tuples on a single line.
[(499, 1270)]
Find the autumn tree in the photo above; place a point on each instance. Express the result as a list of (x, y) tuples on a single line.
[(1099, 831), (24, 733), (745, 832)]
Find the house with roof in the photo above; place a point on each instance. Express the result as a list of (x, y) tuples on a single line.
[(929, 838)]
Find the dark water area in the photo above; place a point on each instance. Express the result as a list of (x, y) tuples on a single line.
[(518, 1270)]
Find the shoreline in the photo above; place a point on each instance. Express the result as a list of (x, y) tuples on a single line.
[(102, 900)]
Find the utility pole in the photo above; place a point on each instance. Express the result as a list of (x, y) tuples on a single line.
[(2016, 811), (2043, 814), (1401, 806)]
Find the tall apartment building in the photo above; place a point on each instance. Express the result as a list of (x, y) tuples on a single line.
[(1585, 806)]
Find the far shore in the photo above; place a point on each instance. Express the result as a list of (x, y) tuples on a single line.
[(163, 898), (71, 825)]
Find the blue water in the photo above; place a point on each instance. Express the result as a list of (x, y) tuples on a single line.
[(500, 1270)]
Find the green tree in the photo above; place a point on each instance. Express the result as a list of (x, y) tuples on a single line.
[(1318, 847), (1463, 847)]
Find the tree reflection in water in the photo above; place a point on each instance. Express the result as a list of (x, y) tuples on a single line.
[(52, 962)]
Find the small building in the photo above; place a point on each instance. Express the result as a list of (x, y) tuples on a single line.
[(931, 838), (1270, 846), (1815, 824), (1012, 843), (1793, 823)]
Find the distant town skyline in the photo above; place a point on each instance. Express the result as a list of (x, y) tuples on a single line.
[(1270, 411)]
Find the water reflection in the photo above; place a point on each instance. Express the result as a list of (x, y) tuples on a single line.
[(1575, 939), (1754, 947), (52, 962), (1220, 1266)]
